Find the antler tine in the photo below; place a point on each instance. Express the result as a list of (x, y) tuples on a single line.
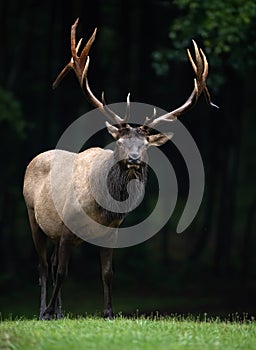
[(88, 45), (205, 74), (200, 64), (148, 121), (112, 115), (62, 74), (67, 68), (201, 70), (128, 109), (73, 39), (205, 65), (192, 61)]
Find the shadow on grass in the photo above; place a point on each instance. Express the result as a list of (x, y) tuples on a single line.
[(224, 303)]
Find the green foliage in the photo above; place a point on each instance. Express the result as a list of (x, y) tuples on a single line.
[(10, 112), (122, 333), (225, 29)]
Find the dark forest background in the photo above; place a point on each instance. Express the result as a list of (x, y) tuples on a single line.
[(140, 48)]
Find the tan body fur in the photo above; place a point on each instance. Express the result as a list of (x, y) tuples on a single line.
[(40, 183)]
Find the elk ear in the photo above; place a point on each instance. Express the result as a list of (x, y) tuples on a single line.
[(114, 132), (159, 139)]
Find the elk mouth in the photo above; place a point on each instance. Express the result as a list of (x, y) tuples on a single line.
[(133, 166)]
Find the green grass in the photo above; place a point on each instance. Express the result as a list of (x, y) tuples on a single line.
[(175, 333)]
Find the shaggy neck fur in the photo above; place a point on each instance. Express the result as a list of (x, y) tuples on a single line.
[(118, 177)]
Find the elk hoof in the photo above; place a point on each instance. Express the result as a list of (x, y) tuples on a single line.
[(47, 315), (108, 315), (60, 315)]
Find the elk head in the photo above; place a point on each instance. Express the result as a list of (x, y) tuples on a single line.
[(132, 142)]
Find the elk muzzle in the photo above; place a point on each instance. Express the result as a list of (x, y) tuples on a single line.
[(133, 160)]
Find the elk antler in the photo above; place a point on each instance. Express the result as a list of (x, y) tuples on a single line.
[(80, 65), (201, 70)]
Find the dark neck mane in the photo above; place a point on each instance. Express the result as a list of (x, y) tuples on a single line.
[(118, 179), (120, 186)]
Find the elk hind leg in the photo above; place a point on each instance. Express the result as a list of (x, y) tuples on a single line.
[(40, 242), (61, 272), (54, 268)]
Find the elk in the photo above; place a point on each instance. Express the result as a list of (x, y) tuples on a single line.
[(126, 162)]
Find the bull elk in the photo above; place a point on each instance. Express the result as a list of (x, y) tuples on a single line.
[(126, 162)]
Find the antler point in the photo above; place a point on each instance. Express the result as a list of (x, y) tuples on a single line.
[(76, 22), (103, 98), (214, 105)]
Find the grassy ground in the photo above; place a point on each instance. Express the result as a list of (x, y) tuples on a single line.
[(175, 333)]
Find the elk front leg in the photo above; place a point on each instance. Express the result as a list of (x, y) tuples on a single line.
[(64, 250), (107, 275)]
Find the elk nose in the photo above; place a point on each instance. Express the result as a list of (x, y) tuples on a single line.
[(134, 158)]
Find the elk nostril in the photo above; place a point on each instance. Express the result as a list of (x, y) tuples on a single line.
[(134, 158)]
